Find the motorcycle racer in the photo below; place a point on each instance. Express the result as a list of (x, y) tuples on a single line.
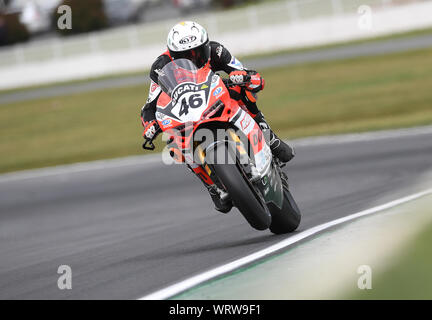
[(189, 40)]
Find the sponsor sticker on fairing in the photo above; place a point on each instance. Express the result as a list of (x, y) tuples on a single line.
[(217, 91), (262, 158), (246, 123), (166, 122)]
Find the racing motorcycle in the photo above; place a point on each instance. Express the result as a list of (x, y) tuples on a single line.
[(205, 127)]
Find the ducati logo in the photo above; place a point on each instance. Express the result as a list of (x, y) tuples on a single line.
[(186, 87)]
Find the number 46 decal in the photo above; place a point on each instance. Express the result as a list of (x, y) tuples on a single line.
[(194, 101)]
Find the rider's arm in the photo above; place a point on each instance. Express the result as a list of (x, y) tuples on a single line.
[(149, 109), (223, 60), (148, 117)]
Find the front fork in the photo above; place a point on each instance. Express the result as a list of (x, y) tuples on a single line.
[(241, 159)]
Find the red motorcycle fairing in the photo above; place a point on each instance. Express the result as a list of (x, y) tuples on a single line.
[(195, 98)]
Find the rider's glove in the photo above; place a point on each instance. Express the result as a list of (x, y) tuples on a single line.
[(256, 82), (239, 77), (252, 80), (150, 129)]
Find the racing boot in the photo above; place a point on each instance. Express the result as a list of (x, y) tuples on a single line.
[(280, 149)]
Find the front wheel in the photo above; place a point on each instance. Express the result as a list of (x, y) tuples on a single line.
[(244, 196), (288, 218)]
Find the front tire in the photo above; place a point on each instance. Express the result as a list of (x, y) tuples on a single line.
[(288, 218), (245, 198)]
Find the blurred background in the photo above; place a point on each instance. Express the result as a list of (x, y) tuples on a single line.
[(75, 95), (331, 66), (112, 36)]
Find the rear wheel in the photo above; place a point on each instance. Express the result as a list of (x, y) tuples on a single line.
[(288, 218), (244, 196)]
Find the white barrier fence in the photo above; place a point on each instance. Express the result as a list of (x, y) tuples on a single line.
[(254, 29)]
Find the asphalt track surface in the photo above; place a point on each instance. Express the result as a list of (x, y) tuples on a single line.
[(373, 48), (129, 230)]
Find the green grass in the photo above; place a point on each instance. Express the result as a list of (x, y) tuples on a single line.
[(409, 277), (320, 98), (352, 95)]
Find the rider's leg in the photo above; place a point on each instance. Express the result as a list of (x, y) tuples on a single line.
[(220, 198), (279, 148)]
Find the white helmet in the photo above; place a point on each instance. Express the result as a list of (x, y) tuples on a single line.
[(189, 40)]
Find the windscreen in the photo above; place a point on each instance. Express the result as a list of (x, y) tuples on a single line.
[(177, 72)]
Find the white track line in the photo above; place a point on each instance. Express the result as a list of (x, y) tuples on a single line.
[(186, 284), (364, 136), (155, 159)]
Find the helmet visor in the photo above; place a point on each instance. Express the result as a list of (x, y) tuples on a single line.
[(199, 55)]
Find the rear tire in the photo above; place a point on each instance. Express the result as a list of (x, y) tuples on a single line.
[(245, 199), (288, 218)]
